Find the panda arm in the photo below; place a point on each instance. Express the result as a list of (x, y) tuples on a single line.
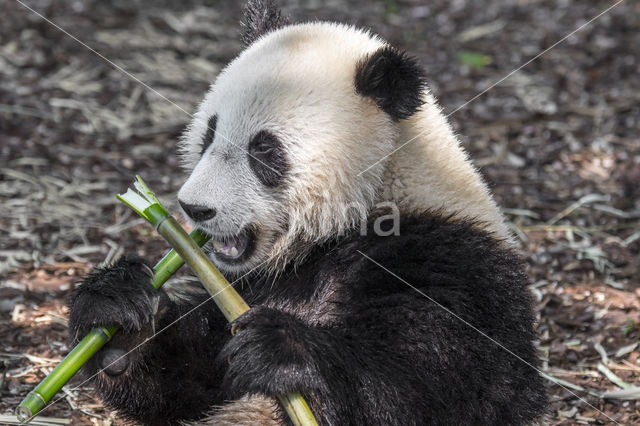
[(379, 363), (393, 355), (151, 378)]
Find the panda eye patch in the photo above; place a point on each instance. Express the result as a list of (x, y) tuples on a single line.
[(267, 158), (207, 139)]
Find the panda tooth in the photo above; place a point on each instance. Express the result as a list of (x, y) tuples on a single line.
[(218, 245), (234, 251)]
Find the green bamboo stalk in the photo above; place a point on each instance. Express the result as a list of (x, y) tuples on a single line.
[(145, 203), (38, 398)]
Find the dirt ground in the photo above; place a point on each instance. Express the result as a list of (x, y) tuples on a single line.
[(558, 142)]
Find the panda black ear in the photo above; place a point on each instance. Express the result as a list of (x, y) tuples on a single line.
[(260, 17), (393, 79)]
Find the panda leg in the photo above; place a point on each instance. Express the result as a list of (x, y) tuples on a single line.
[(249, 410)]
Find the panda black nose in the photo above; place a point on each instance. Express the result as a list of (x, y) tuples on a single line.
[(199, 213)]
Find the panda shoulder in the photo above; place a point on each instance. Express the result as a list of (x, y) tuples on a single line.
[(430, 247)]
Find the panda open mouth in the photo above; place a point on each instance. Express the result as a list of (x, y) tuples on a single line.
[(233, 248)]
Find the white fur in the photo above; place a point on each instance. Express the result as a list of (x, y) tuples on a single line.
[(298, 83), (434, 172), (251, 410)]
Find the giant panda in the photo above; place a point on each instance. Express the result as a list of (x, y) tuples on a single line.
[(384, 284)]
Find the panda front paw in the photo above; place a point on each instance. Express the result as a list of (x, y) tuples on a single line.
[(268, 354), (119, 294)]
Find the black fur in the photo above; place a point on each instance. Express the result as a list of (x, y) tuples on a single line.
[(270, 331), (359, 344), (159, 381), (260, 18), (207, 139), (121, 294), (393, 79), (268, 158)]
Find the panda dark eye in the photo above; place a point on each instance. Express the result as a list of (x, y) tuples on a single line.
[(210, 134), (267, 158), (263, 150)]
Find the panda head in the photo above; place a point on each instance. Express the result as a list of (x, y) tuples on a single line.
[(276, 149)]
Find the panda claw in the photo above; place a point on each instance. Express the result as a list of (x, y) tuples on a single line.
[(147, 270), (235, 328)]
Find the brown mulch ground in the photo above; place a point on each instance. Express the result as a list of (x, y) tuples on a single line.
[(558, 142)]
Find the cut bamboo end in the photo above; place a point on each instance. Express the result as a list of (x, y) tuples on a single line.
[(30, 406)]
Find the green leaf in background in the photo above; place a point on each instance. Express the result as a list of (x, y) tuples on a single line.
[(391, 7), (474, 59)]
